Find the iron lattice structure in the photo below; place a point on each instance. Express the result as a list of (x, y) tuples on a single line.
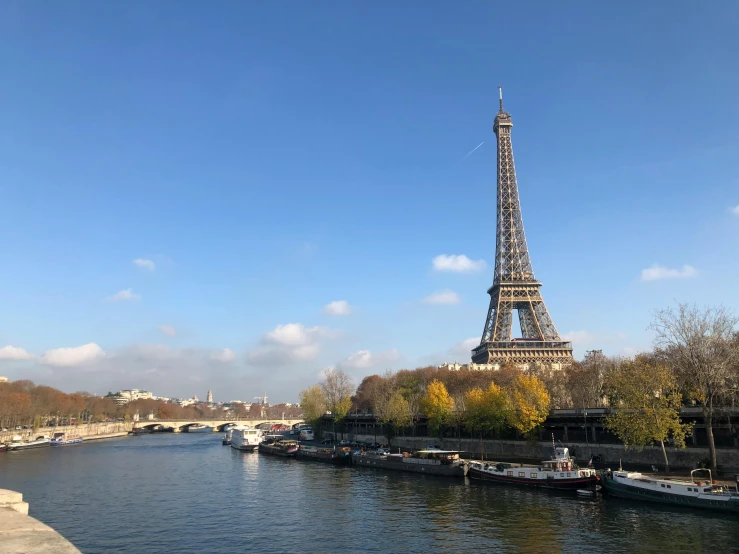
[(514, 285)]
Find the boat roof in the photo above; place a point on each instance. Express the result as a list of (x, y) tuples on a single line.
[(434, 451)]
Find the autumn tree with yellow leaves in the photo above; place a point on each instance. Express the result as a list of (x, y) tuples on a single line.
[(528, 404), (438, 406)]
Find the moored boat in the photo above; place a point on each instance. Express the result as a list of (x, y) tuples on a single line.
[(338, 456), (560, 472), (197, 428), (244, 437), (432, 462), (279, 447), (695, 493), (63, 439), (17, 443)]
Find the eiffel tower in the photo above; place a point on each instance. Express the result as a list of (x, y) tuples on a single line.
[(514, 285)]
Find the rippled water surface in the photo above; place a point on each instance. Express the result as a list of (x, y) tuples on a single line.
[(170, 493)]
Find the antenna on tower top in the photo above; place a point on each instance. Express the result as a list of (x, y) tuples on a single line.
[(500, 90)]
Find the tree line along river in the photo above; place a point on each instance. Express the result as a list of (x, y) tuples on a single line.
[(169, 493)]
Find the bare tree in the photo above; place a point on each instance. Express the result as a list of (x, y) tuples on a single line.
[(699, 344), (337, 389)]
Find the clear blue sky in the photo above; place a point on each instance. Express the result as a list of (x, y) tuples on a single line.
[(270, 159)]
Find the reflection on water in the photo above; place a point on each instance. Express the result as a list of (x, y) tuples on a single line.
[(188, 493)]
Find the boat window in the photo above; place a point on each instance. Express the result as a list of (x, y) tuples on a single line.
[(568, 475), (706, 490), (690, 489), (533, 475), (521, 474), (561, 474), (669, 486), (662, 485), (510, 473)]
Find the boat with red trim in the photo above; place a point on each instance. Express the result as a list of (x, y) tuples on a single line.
[(560, 472)]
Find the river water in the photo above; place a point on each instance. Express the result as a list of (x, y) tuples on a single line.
[(168, 493)]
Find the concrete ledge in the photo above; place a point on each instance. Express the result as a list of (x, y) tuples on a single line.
[(22, 534)]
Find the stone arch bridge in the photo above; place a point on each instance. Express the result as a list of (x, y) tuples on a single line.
[(217, 425)]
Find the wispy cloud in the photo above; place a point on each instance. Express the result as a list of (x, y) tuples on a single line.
[(226, 355), (14, 353), (471, 151), (735, 210), (442, 297), (124, 295), (168, 330), (338, 307), (365, 359), (457, 262), (289, 343), (144, 264), (657, 272)]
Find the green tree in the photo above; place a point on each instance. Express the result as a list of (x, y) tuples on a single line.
[(486, 411), (648, 402), (313, 403), (528, 404), (437, 404), (394, 412)]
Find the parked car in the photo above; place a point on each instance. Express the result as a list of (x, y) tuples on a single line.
[(345, 443), (327, 441)]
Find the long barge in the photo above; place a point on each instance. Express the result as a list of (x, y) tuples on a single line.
[(696, 493), (340, 456), (560, 472), (284, 448), (446, 463)]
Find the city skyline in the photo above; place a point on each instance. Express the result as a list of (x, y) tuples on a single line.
[(189, 205)]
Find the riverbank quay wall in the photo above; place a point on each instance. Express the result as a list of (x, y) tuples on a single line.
[(21, 533), (89, 430), (582, 430)]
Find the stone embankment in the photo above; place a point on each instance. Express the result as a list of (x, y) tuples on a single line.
[(88, 431), (22, 534)]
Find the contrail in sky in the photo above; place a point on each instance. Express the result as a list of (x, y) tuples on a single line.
[(471, 151)]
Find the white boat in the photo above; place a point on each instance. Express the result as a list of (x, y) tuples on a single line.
[(697, 492), (17, 442), (63, 439), (227, 436), (245, 438), (560, 472), (197, 428)]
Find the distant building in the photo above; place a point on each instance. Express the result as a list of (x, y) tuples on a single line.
[(3, 379), (209, 398), (129, 395)]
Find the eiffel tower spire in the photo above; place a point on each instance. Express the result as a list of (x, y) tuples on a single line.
[(514, 285)]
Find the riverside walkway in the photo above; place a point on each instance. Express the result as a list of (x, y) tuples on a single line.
[(22, 534)]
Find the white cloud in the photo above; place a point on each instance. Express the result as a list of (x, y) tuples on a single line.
[(168, 330), (657, 272), (364, 359), (288, 343), (126, 294), (735, 210), (457, 262), (67, 357), (338, 307), (225, 355), (442, 297), (14, 353), (144, 264)]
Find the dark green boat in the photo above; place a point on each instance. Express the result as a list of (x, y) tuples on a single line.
[(696, 493)]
